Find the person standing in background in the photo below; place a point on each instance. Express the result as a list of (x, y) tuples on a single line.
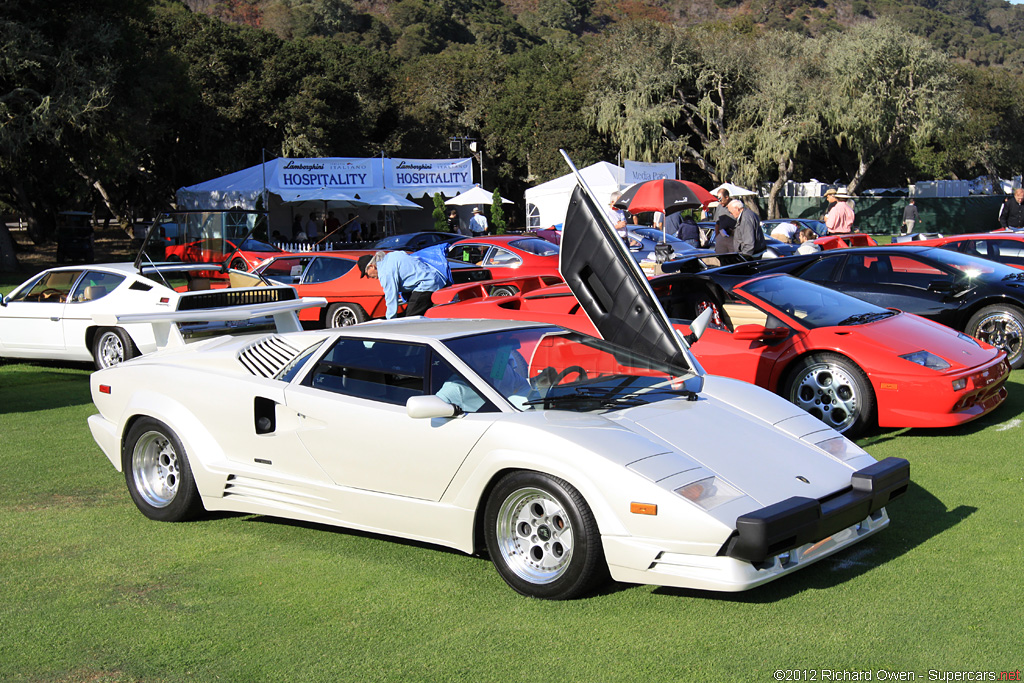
[(909, 216), (839, 217), (478, 223), (1012, 213)]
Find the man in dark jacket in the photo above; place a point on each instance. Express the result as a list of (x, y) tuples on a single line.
[(1012, 213), (748, 238)]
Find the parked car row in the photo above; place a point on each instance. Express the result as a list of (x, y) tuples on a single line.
[(571, 459)]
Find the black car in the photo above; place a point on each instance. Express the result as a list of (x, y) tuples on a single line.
[(983, 298), (414, 241)]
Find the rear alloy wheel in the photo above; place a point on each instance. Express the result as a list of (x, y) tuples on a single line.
[(1003, 327), (833, 389), (239, 264), (344, 315), (542, 537), (158, 474), (504, 290), (112, 346)]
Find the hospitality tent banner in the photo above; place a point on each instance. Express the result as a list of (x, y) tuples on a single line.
[(419, 177), (347, 175)]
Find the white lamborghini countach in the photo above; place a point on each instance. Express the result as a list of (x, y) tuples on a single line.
[(569, 459)]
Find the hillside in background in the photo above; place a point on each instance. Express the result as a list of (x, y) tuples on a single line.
[(981, 32)]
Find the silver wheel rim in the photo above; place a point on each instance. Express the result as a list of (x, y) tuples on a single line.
[(534, 535), (503, 291), (829, 393), (1003, 331), (343, 316), (111, 349), (155, 469)]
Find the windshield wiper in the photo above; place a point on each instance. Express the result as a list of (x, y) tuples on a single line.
[(604, 399), (1014, 276), (862, 318), (612, 398)]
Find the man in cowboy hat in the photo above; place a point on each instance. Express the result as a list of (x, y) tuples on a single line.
[(405, 274), (478, 223), (839, 217)]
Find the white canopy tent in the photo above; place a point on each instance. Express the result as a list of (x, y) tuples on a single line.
[(733, 190), (478, 196), (547, 203)]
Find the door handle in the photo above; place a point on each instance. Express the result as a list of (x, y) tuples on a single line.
[(55, 318)]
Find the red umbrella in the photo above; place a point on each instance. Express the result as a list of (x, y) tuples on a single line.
[(665, 195)]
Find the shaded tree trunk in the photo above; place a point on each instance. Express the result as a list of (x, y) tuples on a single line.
[(785, 168)]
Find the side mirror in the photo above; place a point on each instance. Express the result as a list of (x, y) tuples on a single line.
[(700, 324), (425, 407), (759, 333)]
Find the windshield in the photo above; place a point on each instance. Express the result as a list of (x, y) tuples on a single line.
[(811, 304), (972, 266), (551, 368), (534, 245), (656, 235)]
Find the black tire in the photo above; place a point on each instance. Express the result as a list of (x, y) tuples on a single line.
[(344, 315), (542, 537), (240, 264), (112, 346), (833, 389), (504, 290), (158, 473), (1002, 326)]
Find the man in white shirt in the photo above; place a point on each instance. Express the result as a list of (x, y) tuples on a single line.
[(478, 223)]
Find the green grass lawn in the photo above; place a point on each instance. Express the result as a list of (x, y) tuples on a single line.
[(90, 590)]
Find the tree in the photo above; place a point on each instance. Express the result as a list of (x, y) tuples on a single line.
[(885, 88), (660, 93), (438, 214), (61, 65), (498, 213), (780, 114)]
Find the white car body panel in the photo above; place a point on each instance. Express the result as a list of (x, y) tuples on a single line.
[(367, 465)]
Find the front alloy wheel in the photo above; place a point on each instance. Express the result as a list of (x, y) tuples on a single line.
[(542, 537), (158, 474), (832, 389)]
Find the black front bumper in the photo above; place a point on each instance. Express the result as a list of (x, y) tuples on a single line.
[(796, 521)]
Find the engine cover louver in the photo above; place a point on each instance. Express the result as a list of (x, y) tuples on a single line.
[(268, 356)]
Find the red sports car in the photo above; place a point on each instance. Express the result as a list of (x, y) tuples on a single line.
[(508, 256), (350, 298), (1004, 246), (245, 254), (847, 362)]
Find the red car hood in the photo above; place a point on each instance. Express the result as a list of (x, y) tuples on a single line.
[(906, 333)]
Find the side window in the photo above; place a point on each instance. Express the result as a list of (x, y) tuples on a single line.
[(287, 271), (502, 257), (1010, 252), (95, 285), (467, 253), (911, 272), (325, 269), (450, 386), (389, 372), (53, 287), (821, 270)]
